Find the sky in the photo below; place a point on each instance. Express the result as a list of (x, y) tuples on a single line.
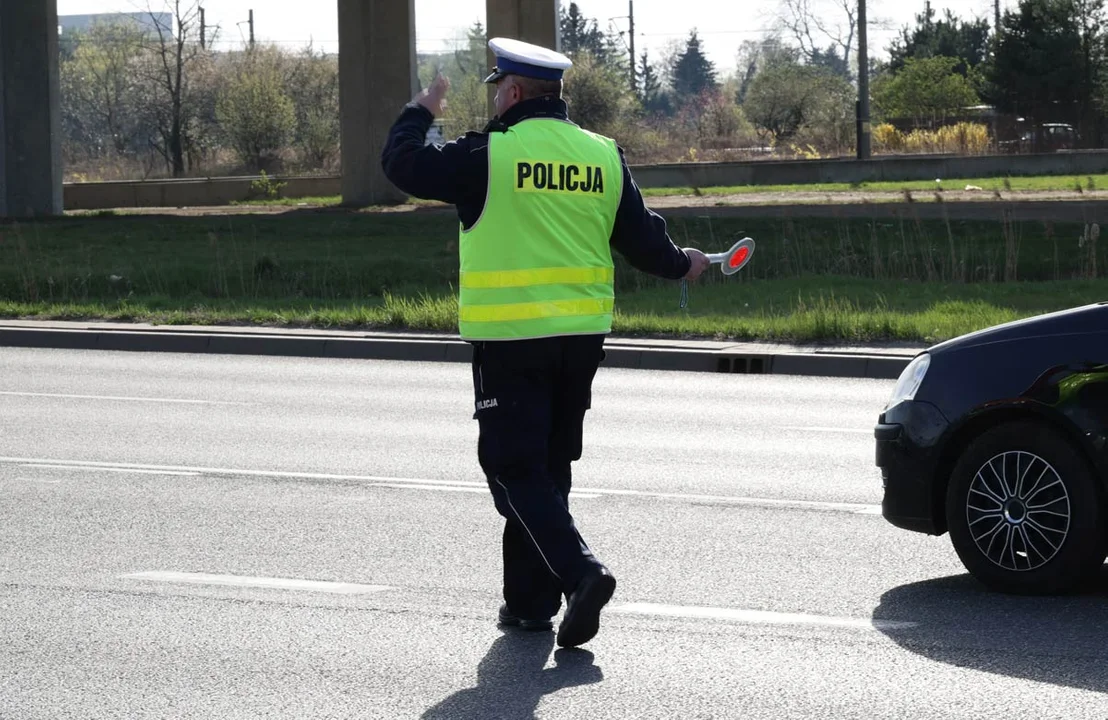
[(722, 24)]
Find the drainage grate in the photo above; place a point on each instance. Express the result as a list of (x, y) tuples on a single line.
[(743, 365)]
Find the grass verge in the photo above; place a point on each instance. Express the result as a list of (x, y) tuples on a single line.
[(1046, 183), (811, 280), (806, 310)]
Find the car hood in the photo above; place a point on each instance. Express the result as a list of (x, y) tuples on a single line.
[(1085, 320)]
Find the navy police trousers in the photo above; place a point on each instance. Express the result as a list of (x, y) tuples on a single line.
[(531, 399)]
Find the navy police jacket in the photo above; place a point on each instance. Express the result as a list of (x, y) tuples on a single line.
[(457, 173)]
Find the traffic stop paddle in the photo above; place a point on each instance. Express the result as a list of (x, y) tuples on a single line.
[(736, 258), (730, 262)]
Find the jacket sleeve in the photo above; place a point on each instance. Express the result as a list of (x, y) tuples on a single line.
[(454, 173), (640, 235)]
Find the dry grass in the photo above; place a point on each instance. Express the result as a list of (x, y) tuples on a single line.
[(962, 139)]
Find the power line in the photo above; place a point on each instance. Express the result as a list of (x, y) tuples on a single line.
[(702, 33), (630, 17)]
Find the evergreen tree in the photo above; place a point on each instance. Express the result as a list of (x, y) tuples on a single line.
[(1038, 62), (649, 84), (692, 71), (581, 34), (1048, 62), (651, 96), (948, 37), (472, 59), (830, 60)]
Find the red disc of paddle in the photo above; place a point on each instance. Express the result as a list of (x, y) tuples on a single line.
[(740, 257)]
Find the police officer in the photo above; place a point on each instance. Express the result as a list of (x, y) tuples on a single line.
[(542, 202)]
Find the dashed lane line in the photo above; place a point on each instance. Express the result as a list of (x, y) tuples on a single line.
[(120, 398), (186, 578), (454, 485), (690, 612), (757, 617), (135, 471)]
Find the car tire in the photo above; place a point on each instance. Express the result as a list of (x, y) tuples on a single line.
[(1025, 512)]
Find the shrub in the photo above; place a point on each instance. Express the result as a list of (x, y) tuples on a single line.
[(887, 139), (254, 110)]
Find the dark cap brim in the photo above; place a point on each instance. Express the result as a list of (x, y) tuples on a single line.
[(495, 76)]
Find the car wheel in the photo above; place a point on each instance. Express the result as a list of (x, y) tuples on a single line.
[(1024, 511)]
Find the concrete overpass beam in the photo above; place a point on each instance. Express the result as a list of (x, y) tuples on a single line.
[(30, 110), (378, 74), (533, 21)]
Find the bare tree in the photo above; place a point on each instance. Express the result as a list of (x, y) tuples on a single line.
[(313, 85), (173, 53), (670, 52), (755, 56), (820, 25), (100, 86), (825, 31)]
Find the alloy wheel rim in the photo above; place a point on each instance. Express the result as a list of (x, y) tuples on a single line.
[(1018, 511)]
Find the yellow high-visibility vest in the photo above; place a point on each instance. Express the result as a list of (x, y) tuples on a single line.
[(538, 261)]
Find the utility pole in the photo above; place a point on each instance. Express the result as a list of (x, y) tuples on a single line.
[(634, 78), (251, 28), (996, 29), (863, 86), (203, 29)]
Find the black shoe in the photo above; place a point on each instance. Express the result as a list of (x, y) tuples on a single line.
[(505, 617), (582, 619)]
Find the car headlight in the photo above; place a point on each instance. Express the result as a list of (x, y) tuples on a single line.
[(910, 380)]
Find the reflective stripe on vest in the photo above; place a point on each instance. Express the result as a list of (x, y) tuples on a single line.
[(538, 262), (544, 276), (534, 310)]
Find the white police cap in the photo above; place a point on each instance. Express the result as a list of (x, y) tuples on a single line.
[(515, 57)]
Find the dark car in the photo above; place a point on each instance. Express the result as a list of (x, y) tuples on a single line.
[(1052, 137), (1000, 438)]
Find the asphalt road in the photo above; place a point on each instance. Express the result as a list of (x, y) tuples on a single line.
[(206, 536)]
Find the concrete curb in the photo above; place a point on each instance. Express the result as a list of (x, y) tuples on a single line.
[(620, 353)]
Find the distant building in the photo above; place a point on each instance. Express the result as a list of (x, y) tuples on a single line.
[(70, 24)]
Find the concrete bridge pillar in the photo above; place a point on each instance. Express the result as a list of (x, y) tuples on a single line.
[(378, 74), (30, 110), (533, 21)]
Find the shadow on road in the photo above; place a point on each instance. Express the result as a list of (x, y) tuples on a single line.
[(1058, 640), (511, 680)]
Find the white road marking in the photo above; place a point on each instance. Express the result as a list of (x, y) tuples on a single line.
[(340, 588), (178, 401), (857, 508), (845, 431), (111, 469), (476, 488), (423, 483), (757, 617), (444, 489)]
